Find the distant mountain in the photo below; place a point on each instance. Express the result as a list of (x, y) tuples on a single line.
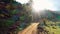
[(51, 15)]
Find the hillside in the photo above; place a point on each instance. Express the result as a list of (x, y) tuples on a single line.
[(51, 15)]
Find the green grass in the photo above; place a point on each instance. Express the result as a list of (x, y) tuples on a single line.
[(51, 29)]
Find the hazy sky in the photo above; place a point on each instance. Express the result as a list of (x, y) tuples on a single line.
[(43, 4)]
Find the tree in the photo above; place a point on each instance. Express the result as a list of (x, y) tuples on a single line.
[(9, 14), (12, 15)]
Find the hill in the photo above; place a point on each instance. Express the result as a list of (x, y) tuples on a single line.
[(51, 15)]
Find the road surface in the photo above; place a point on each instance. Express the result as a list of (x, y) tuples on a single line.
[(32, 29)]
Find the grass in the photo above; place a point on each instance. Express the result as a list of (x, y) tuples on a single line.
[(52, 30), (55, 30)]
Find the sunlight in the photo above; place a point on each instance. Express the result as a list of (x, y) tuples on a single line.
[(22, 1), (38, 5), (41, 5)]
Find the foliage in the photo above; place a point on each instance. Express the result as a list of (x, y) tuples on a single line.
[(8, 13), (13, 12)]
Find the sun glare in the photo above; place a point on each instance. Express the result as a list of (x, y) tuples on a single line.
[(38, 5), (22, 1), (41, 5)]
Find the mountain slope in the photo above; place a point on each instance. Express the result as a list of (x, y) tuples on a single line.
[(51, 15)]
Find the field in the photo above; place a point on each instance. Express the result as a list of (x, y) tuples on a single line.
[(52, 30), (53, 27)]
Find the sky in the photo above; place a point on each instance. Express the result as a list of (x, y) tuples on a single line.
[(43, 4)]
